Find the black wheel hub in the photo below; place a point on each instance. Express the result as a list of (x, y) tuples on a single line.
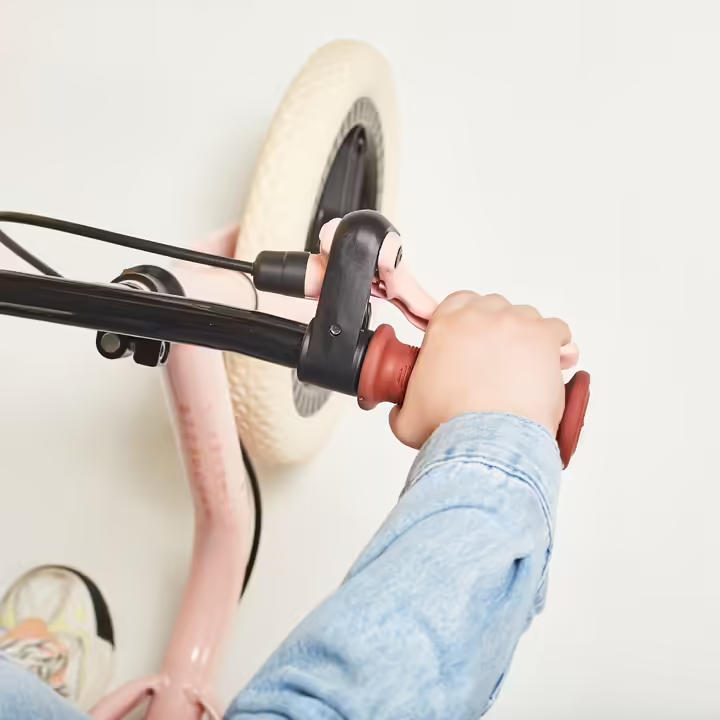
[(351, 183)]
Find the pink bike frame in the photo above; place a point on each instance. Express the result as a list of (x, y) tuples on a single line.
[(205, 426)]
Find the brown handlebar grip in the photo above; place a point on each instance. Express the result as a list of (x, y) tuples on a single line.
[(577, 397), (386, 369), (388, 365)]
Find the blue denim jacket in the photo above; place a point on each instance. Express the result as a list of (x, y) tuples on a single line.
[(426, 623)]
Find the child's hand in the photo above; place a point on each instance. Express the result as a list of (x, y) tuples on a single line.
[(482, 354)]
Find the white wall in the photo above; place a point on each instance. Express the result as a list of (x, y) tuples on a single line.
[(564, 154)]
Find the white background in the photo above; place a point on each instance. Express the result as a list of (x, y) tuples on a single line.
[(565, 154)]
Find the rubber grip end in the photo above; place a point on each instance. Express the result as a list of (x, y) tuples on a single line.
[(577, 397), (386, 369)]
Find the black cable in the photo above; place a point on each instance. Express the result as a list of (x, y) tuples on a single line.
[(150, 246), (28, 257), (258, 515)]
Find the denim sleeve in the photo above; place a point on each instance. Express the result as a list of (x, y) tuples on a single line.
[(426, 623)]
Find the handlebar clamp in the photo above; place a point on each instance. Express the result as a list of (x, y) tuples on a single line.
[(337, 338)]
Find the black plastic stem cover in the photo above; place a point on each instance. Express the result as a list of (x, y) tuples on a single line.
[(336, 340)]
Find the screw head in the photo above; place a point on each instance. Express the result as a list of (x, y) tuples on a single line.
[(335, 330), (110, 343)]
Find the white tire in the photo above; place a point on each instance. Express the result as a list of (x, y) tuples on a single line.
[(343, 85)]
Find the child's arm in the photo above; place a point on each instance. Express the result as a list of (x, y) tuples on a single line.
[(429, 617)]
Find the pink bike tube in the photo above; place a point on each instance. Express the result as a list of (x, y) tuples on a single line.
[(204, 420)]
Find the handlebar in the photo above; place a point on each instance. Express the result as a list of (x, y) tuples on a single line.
[(337, 350), (126, 311)]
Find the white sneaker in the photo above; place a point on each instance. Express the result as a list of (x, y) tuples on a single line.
[(55, 623)]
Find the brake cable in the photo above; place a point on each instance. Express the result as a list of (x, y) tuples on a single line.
[(114, 238)]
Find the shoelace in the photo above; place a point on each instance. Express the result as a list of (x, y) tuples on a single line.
[(43, 658)]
